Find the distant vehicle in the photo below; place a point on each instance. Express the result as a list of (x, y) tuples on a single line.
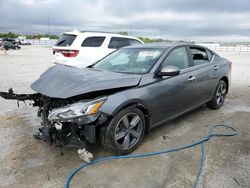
[(13, 41), (81, 49), (9, 45), (22, 40)]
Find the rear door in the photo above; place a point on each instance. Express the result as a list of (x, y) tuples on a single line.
[(204, 72), (92, 49)]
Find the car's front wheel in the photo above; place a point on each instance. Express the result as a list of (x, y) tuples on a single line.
[(124, 132), (219, 95)]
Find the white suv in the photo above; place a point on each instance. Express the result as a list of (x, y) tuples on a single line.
[(81, 49)]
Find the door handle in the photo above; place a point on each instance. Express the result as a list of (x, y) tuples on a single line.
[(191, 78), (216, 67)]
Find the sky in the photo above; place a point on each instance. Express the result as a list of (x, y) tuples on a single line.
[(199, 20)]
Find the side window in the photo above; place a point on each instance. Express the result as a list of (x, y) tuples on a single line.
[(209, 55), (178, 57), (199, 55), (134, 42), (118, 42), (93, 42)]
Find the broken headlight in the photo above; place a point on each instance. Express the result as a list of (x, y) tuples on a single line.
[(81, 111)]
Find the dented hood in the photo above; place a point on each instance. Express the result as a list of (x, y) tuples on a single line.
[(63, 82)]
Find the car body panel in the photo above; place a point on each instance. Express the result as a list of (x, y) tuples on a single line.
[(63, 82)]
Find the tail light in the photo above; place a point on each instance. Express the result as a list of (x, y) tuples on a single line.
[(69, 53), (66, 53)]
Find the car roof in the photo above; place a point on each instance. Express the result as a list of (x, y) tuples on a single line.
[(162, 45), (96, 33)]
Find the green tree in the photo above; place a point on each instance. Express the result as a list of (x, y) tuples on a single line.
[(123, 33)]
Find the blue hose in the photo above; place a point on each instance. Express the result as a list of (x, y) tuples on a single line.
[(201, 141)]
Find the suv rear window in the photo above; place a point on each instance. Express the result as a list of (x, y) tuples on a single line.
[(93, 41), (65, 40), (118, 42)]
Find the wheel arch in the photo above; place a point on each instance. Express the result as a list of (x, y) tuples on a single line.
[(225, 79), (141, 106)]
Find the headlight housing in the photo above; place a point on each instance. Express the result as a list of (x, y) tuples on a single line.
[(80, 111)]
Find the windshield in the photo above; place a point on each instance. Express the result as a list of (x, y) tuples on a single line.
[(130, 60)]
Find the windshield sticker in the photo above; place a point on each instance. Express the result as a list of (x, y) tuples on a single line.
[(149, 53)]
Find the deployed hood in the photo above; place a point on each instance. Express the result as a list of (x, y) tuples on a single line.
[(63, 82)]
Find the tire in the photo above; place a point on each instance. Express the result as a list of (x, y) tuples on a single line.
[(124, 132), (219, 95)]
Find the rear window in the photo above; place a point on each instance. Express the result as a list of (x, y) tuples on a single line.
[(65, 40), (93, 41)]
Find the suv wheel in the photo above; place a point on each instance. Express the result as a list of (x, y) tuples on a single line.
[(219, 96), (125, 131)]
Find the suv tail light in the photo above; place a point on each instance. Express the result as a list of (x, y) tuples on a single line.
[(69, 53)]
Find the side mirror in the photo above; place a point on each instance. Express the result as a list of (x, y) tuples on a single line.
[(169, 71)]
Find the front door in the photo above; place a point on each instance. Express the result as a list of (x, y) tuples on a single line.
[(175, 94)]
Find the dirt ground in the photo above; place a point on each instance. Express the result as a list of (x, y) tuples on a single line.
[(26, 162)]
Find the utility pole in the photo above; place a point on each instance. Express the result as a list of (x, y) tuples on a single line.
[(49, 25)]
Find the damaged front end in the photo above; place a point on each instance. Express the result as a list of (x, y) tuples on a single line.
[(72, 121), (68, 101)]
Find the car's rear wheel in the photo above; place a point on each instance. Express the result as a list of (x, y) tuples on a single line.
[(219, 95), (124, 132)]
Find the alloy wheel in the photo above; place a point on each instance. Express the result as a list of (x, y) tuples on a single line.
[(128, 131), (220, 94)]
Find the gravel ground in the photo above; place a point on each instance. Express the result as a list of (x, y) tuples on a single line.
[(26, 162)]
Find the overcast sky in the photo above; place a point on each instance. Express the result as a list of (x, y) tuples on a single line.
[(205, 20)]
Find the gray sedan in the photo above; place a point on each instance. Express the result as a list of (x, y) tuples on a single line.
[(127, 93)]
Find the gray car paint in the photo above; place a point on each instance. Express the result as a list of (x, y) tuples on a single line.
[(63, 82), (163, 97), (168, 97)]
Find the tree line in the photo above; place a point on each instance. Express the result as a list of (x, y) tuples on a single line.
[(36, 36)]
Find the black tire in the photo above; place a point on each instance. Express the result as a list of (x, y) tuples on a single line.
[(122, 138), (219, 95)]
